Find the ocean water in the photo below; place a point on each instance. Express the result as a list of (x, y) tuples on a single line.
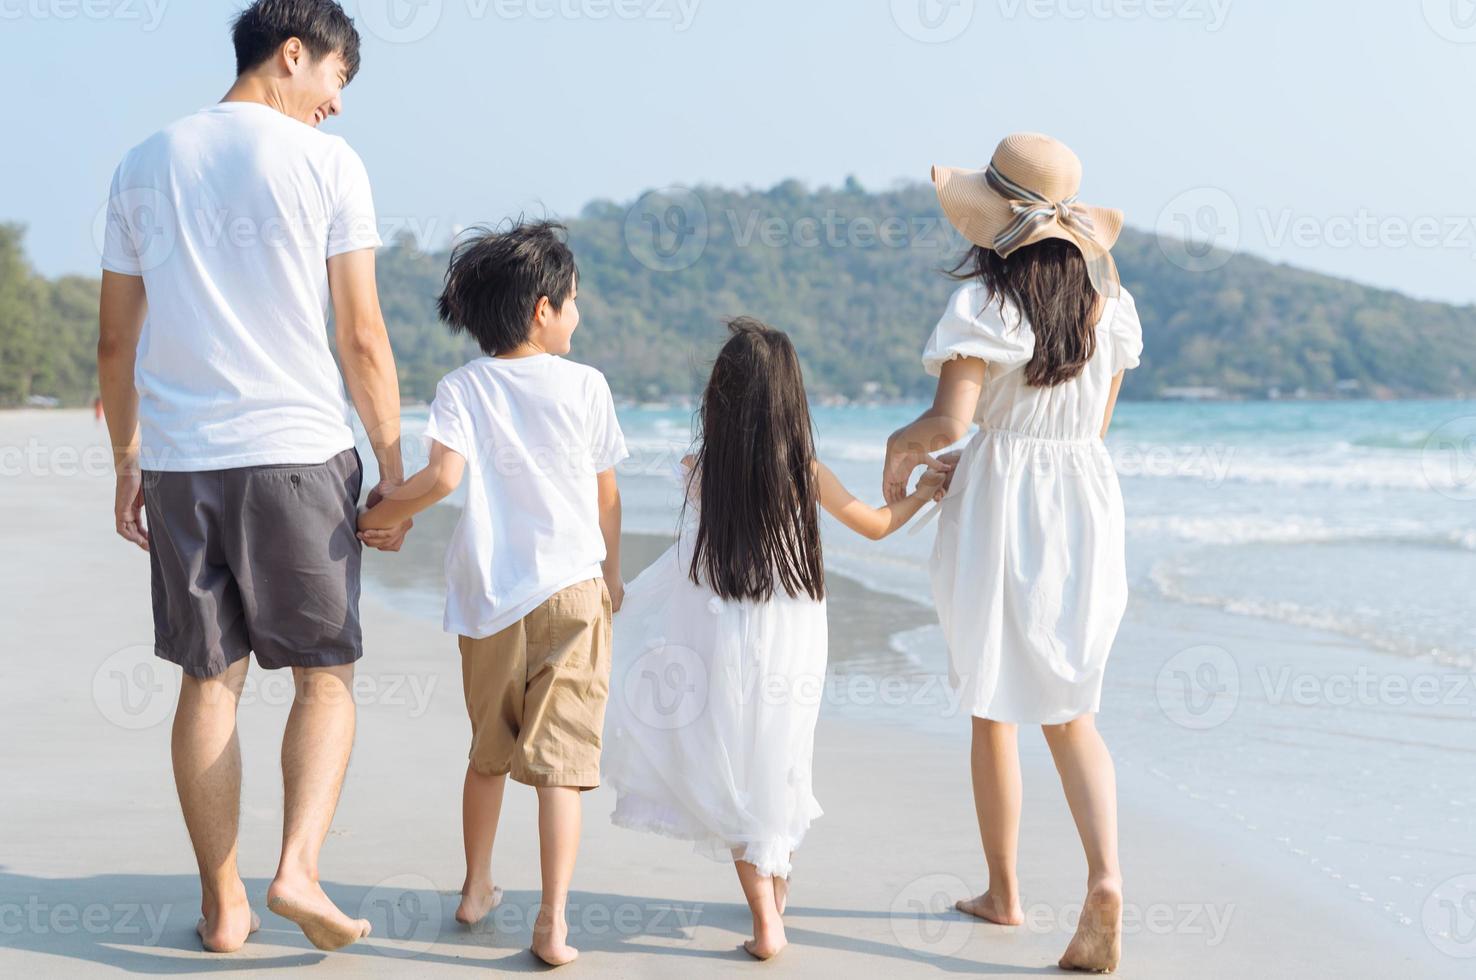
[(1354, 517)]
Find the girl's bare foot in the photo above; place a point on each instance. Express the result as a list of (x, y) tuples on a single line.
[(224, 929), (768, 939), (476, 902), (1097, 945), (550, 939), (304, 902), (992, 908)]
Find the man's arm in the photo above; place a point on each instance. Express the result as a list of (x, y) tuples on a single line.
[(120, 319), (368, 363), (609, 495)]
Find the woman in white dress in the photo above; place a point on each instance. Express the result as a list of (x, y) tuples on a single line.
[(720, 645), (1028, 570)]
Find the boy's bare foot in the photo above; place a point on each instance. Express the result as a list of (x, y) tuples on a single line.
[(224, 928), (1097, 945), (550, 939), (991, 908), (768, 939), (304, 902), (476, 902), (781, 893)]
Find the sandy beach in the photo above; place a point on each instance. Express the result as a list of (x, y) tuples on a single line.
[(96, 876)]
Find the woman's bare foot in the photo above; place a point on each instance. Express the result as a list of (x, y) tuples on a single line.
[(781, 893), (768, 939), (225, 929), (1097, 945), (304, 903), (992, 908), (551, 939), (476, 902)]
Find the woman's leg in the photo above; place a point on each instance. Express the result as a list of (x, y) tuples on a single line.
[(995, 761), (1090, 783), (768, 927)]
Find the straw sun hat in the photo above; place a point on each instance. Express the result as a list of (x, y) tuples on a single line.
[(1028, 194)]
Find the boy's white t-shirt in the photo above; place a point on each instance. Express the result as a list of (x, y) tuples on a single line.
[(534, 431), (230, 216)]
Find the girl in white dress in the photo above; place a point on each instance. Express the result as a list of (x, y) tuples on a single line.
[(720, 646), (1028, 570)]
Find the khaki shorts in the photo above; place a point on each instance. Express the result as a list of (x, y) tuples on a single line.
[(536, 691)]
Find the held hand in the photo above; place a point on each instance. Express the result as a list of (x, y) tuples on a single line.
[(617, 594), (128, 507), (943, 480), (898, 471), (386, 539)]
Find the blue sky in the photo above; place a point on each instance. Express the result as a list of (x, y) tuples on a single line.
[(1330, 134)]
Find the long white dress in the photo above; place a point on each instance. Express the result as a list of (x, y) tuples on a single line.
[(1028, 570), (710, 728)]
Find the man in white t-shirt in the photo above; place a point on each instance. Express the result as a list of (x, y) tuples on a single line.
[(228, 234)]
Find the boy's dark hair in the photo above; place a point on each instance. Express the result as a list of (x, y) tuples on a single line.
[(321, 25), (496, 279), (759, 520)]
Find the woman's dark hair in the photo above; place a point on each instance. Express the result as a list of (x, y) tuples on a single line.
[(755, 472), (321, 25), (496, 278), (1048, 283)]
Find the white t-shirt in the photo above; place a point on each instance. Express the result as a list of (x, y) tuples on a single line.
[(230, 216), (535, 431)]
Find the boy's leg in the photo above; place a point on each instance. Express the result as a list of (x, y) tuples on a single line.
[(207, 774), (481, 808), (995, 762), (768, 927), (315, 754), (560, 814)]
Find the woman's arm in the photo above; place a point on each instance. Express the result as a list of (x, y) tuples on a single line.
[(1112, 403), (440, 478), (960, 383), (874, 522)]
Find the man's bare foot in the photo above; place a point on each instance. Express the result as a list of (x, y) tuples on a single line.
[(226, 931), (550, 939), (1097, 945), (304, 902), (768, 939), (781, 893), (476, 903), (990, 908)]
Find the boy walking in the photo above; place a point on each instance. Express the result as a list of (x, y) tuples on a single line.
[(533, 568)]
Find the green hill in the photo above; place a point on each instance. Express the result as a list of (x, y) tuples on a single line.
[(855, 278)]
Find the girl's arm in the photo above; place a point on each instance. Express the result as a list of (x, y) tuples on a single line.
[(441, 476), (959, 385), (874, 522)]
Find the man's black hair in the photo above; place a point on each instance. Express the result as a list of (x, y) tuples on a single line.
[(321, 25)]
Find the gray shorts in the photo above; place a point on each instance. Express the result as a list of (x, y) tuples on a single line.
[(260, 558)]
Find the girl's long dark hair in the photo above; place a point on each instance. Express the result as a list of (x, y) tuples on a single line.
[(755, 469), (1048, 283)]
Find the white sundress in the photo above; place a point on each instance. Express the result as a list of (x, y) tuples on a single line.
[(710, 728), (1028, 571)]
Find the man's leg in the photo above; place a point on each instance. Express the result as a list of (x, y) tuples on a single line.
[(315, 754), (207, 774)]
